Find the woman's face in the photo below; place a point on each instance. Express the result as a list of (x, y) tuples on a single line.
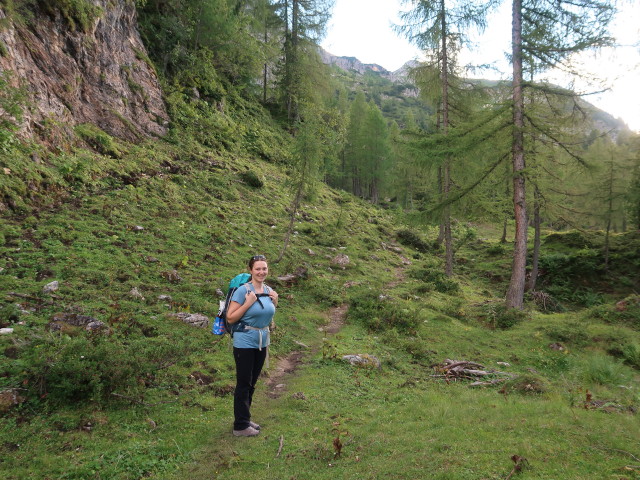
[(259, 271)]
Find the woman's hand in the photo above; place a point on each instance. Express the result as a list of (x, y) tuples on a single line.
[(250, 298), (273, 295)]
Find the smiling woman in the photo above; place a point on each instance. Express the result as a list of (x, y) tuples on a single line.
[(252, 306)]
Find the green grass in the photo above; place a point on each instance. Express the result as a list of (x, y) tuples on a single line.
[(403, 424), (132, 406)]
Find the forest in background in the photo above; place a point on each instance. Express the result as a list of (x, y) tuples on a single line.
[(457, 151), (269, 148), (466, 160)]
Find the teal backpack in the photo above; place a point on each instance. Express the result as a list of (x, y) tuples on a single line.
[(221, 325)]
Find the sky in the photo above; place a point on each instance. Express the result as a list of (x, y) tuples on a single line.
[(364, 29)]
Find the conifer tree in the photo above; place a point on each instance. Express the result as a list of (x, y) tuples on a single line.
[(545, 35), (354, 150), (377, 153), (405, 175), (633, 195), (337, 111), (304, 24), (308, 150), (609, 187), (270, 23), (440, 29), (176, 32), (367, 154)]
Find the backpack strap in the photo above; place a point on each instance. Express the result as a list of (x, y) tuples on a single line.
[(258, 295)]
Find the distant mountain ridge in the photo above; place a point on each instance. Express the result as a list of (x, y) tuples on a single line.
[(353, 64), (599, 119)]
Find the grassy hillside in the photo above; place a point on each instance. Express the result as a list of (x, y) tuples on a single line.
[(135, 234)]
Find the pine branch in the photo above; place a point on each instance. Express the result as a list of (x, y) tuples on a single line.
[(463, 192), (556, 141)]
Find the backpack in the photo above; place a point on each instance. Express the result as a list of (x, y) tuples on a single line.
[(221, 325)]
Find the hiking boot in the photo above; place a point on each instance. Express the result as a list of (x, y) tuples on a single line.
[(254, 425), (247, 432)]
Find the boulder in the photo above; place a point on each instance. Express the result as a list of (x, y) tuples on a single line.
[(363, 360), (135, 293), (62, 321), (172, 276), (194, 319), (9, 399), (73, 319), (51, 287), (341, 260)]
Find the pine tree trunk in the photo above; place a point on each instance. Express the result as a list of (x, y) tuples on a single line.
[(609, 217), (507, 191), (292, 67), (356, 186), (446, 186), (374, 192), (440, 192), (536, 241), (503, 238), (515, 292), (264, 68), (295, 205), (448, 242)]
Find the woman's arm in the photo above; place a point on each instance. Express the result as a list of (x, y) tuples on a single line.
[(236, 311)]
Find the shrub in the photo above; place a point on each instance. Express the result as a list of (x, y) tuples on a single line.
[(98, 140), (626, 311), (572, 239), (437, 279), (568, 332), (496, 250), (62, 369), (379, 314), (446, 285), (498, 315), (250, 178), (12, 104), (412, 239), (9, 314), (566, 291), (586, 264), (79, 13), (631, 354)]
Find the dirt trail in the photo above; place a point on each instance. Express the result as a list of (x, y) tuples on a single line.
[(288, 365)]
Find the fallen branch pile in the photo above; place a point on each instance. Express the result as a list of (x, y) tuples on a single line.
[(453, 370)]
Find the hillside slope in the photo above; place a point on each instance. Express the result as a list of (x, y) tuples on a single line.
[(111, 380), (115, 253)]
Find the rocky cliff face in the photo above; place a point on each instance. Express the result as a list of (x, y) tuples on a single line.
[(97, 76)]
